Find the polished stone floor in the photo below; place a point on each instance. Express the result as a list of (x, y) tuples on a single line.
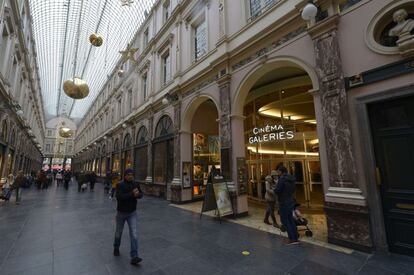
[(63, 232)]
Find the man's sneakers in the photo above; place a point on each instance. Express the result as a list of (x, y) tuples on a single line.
[(136, 260), (116, 252)]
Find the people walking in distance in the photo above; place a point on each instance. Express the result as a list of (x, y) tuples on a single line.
[(67, 176), (59, 178), (271, 181), (115, 180), (18, 182), (107, 182), (92, 180), (81, 180), (5, 189), (127, 193), (285, 190)]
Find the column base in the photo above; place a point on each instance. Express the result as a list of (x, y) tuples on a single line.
[(349, 226)]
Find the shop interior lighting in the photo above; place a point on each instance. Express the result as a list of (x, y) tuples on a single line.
[(278, 152)]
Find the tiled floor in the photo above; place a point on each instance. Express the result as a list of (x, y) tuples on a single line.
[(64, 232)]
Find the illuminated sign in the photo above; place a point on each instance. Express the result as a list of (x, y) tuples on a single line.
[(270, 133)]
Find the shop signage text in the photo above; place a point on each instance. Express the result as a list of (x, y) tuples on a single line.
[(270, 133)]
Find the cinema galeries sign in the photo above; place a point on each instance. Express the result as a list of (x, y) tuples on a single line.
[(270, 133)]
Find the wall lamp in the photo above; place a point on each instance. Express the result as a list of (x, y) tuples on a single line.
[(309, 11)]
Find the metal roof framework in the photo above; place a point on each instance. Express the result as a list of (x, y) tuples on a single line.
[(61, 30)]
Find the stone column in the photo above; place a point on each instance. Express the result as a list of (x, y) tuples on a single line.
[(225, 127), (149, 179), (347, 215), (176, 184)]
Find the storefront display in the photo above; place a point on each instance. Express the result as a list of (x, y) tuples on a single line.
[(280, 128), (206, 153)]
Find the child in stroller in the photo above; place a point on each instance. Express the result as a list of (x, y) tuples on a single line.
[(299, 221)]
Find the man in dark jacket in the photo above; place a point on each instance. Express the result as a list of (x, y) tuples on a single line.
[(92, 180), (67, 177), (18, 182), (285, 191), (127, 193)]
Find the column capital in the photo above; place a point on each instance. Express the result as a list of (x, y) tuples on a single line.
[(324, 27)]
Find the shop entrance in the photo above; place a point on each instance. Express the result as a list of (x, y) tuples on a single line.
[(205, 146), (280, 128), (392, 124)]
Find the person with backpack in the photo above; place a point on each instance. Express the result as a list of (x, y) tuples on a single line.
[(285, 191), (127, 193)]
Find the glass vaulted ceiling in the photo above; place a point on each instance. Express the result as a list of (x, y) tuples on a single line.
[(58, 24)]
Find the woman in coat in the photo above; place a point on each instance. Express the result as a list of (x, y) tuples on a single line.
[(271, 182)]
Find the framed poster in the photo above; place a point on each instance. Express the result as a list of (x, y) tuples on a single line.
[(242, 175), (186, 174), (223, 201)]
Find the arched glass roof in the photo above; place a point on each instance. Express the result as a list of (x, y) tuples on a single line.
[(57, 26)]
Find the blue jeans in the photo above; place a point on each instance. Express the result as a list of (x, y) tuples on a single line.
[(132, 220), (286, 217)]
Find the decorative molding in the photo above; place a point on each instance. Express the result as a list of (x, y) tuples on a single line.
[(263, 51)]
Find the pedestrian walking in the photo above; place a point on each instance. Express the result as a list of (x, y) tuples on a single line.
[(59, 178), (18, 182), (67, 177), (271, 182), (92, 180), (285, 191), (127, 193)]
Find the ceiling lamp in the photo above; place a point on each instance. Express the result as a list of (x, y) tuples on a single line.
[(121, 73), (65, 132), (76, 88), (309, 11), (96, 40)]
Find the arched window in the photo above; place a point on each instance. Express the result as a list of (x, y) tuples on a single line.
[(127, 141), (142, 136), (164, 127), (103, 151), (116, 145), (13, 138)]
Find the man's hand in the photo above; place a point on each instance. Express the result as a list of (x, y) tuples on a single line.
[(136, 192)]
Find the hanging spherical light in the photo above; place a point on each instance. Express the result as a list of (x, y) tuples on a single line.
[(309, 11), (96, 40), (121, 73), (76, 88), (65, 132)]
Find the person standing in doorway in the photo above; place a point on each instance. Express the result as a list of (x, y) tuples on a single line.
[(127, 193), (271, 182), (285, 191)]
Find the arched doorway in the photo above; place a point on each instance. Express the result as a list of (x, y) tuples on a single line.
[(141, 155), (163, 152), (281, 125), (116, 165), (126, 153), (205, 144)]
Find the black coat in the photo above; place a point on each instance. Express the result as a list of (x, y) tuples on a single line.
[(127, 202), (285, 189)]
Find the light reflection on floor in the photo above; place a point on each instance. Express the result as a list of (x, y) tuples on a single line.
[(317, 223)]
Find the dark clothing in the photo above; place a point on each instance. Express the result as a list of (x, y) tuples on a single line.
[(127, 202), (286, 217), (92, 177), (285, 189)]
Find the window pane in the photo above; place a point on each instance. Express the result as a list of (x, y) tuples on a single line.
[(200, 40)]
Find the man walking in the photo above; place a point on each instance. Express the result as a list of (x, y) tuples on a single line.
[(18, 182), (285, 190), (127, 193), (67, 177)]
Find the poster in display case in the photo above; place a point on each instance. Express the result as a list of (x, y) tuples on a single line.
[(242, 175), (186, 174)]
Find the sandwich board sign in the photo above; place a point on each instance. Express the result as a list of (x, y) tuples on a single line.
[(217, 198)]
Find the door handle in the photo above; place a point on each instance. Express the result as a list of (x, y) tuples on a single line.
[(378, 176)]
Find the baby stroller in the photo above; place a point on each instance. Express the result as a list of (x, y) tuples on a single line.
[(299, 221)]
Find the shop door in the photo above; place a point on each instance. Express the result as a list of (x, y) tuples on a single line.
[(392, 125)]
